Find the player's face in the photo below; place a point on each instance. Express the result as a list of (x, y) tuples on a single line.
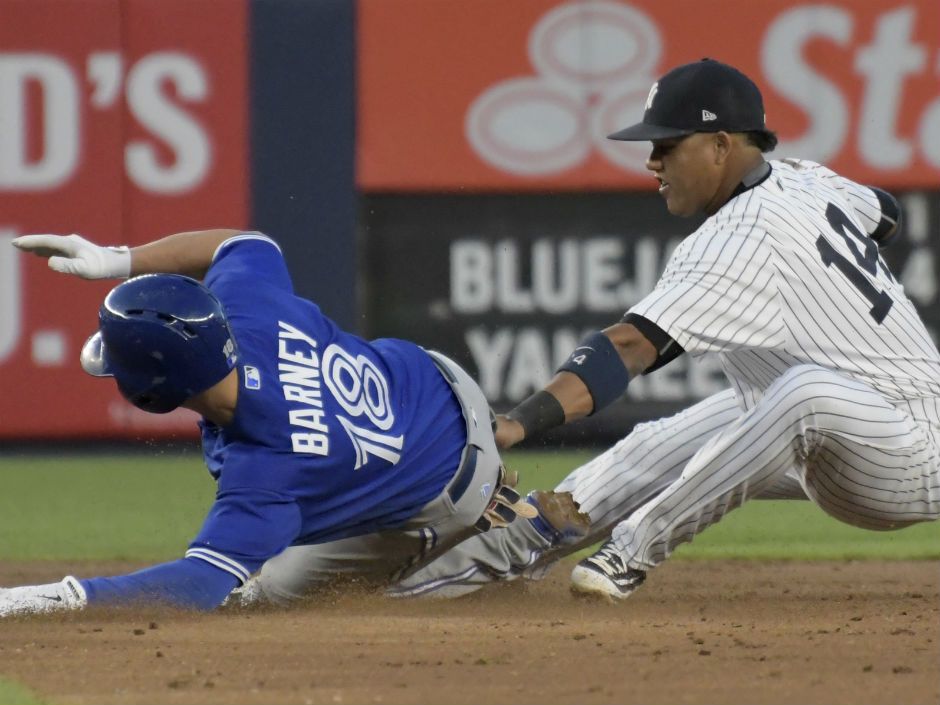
[(689, 177)]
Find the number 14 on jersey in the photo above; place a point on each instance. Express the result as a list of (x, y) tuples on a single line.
[(868, 260)]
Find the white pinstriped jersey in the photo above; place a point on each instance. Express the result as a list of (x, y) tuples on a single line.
[(784, 274), (836, 373)]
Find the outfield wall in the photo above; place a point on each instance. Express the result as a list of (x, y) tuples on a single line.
[(435, 169)]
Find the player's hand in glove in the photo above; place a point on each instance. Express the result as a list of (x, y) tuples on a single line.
[(506, 504), (39, 599), (73, 254)]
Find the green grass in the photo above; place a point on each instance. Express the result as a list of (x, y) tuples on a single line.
[(13, 694), (148, 508), (100, 508)]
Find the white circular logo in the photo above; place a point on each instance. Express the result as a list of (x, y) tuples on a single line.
[(595, 44), (593, 62), (617, 111), (528, 126)]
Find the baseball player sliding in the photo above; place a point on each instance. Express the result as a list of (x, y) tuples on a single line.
[(334, 456), (835, 382)]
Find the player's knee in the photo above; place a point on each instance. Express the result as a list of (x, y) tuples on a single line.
[(823, 490)]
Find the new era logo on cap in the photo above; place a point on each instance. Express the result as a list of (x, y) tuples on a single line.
[(708, 116)]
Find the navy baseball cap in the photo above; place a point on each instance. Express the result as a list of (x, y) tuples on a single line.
[(704, 96)]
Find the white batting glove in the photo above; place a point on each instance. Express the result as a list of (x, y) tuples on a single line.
[(73, 254), (40, 599)]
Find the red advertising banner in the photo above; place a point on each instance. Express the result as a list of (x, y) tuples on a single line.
[(518, 96), (122, 120)]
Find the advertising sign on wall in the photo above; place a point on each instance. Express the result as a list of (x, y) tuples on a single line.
[(485, 159), (522, 97), (113, 118), (507, 285)]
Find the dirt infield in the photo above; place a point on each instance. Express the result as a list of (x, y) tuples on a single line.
[(698, 632)]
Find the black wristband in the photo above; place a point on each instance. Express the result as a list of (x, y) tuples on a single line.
[(539, 412)]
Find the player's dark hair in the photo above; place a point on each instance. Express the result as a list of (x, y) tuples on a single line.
[(764, 140)]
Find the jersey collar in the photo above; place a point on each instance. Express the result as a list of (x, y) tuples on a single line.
[(755, 177)]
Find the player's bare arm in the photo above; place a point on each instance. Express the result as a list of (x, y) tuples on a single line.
[(596, 373), (188, 253)]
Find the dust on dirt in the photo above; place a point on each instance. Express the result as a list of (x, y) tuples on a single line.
[(697, 632)]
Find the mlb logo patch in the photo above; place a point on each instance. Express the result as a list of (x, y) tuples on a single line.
[(252, 377), (485, 490)]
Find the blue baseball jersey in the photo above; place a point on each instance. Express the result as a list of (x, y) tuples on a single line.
[(333, 436)]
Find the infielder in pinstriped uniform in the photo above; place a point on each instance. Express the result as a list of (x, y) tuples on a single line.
[(835, 381), (334, 456)]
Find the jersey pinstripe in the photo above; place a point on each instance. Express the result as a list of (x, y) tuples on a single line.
[(784, 275)]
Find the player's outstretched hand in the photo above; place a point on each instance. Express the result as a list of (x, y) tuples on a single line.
[(73, 254), (39, 599), (508, 432)]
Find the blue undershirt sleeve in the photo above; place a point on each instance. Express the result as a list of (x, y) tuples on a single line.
[(189, 582)]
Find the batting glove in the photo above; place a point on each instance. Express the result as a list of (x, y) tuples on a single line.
[(73, 254), (40, 599)]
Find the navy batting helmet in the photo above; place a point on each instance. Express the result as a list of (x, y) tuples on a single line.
[(164, 338)]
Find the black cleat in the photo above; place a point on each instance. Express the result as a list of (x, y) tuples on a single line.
[(606, 575)]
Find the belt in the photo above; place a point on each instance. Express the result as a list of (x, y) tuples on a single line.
[(461, 480), (468, 460)]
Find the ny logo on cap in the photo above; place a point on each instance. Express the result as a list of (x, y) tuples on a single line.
[(708, 116), (649, 98)]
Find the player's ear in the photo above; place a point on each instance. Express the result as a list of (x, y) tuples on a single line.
[(721, 144)]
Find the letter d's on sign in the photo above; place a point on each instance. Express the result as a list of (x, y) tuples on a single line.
[(121, 121)]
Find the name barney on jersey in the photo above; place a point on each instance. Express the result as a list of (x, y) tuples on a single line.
[(299, 374)]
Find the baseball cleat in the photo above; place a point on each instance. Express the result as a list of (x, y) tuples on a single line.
[(606, 575), (559, 519)]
